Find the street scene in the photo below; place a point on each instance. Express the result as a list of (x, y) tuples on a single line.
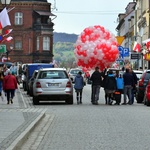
[(74, 75), (64, 126)]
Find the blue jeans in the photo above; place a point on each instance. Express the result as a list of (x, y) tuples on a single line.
[(95, 93), (128, 92)]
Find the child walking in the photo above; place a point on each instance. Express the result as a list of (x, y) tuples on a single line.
[(79, 84)]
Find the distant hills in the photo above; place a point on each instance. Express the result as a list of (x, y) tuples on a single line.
[(64, 37)]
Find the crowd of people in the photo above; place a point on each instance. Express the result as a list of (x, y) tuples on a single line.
[(9, 80), (115, 85)]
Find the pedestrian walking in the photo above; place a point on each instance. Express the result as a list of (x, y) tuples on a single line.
[(128, 85), (5, 69), (135, 80), (1, 84), (79, 84), (96, 79), (9, 86), (110, 86), (120, 88), (13, 68), (105, 74)]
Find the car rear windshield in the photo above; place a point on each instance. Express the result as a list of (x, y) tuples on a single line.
[(75, 72), (52, 74), (147, 76)]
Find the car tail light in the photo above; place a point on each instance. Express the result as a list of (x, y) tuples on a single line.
[(68, 85), (141, 81), (38, 85), (148, 88)]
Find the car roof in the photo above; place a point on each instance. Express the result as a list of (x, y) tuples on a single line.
[(45, 69), (75, 69), (138, 71), (114, 69)]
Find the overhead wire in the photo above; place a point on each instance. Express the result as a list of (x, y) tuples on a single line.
[(89, 12)]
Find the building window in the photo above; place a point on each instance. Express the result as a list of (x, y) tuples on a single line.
[(46, 43), (38, 43), (18, 18), (18, 45)]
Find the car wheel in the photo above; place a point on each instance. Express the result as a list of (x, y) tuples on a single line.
[(24, 86), (147, 103), (31, 93), (139, 99), (69, 100), (28, 92), (35, 100), (144, 100)]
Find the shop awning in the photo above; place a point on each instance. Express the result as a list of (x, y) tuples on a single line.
[(45, 13)]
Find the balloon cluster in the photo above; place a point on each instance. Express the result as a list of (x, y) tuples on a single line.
[(94, 47)]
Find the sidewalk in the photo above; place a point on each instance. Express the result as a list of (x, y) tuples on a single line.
[(17, 121)]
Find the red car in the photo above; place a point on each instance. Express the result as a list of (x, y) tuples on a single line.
[(147, 94)]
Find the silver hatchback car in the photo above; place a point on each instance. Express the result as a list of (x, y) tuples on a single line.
[(52, 84)]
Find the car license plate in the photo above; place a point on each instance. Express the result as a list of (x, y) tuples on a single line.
[(53, 84)]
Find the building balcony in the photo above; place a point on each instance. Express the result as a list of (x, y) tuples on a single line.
[(43, 27)]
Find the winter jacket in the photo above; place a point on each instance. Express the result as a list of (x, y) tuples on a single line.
[(128, 79), (96, 78), (79, 83), (110, 83), (9, 82)]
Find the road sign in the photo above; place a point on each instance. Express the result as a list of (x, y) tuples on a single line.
[(2, 48), (124, 52), (120, 39), (135, 56)]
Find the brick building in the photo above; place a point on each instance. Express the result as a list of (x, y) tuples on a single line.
[(32, 31)]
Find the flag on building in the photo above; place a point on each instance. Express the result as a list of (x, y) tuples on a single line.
[(7, 32), (136, 47), (1, 29), (4, 18), (8, 39)]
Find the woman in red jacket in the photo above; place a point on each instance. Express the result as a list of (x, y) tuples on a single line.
[(9, 86)]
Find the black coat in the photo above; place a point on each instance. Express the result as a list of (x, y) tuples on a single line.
[(110, 83), (96, 78)]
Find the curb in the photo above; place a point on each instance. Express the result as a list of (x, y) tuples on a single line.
[(24, 135)]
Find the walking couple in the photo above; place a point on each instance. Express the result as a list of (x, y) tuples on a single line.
[(103, 79)]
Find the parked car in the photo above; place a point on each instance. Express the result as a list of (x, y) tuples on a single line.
[(138, 73), (29, 69), (147, 94), (141, 86), (30, 83), (52, 84), (8, 64), (74, 71)]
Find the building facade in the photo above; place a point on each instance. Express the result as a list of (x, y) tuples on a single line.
[(134, 26), (32, 33)]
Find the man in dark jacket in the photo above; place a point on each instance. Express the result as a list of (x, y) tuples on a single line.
[(135, 80), (128, 85), (96, 79)]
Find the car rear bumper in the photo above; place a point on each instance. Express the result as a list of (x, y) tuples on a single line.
[(53, 97)]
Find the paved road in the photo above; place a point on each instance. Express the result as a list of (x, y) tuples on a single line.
[(91, 127)]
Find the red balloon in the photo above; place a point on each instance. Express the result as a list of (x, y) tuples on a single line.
[(96, 46)]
